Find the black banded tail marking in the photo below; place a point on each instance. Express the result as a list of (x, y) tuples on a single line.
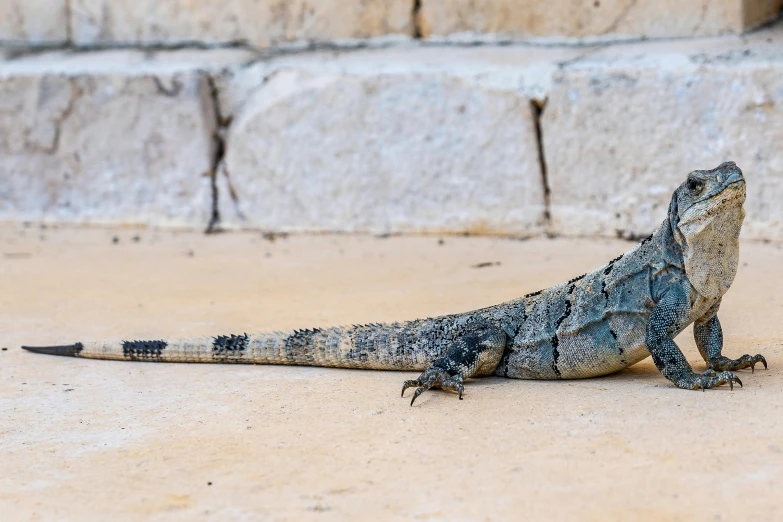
[(229, 346), (143, 350), (69, 350)]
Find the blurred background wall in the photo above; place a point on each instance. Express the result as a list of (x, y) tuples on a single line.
[(521, 117)]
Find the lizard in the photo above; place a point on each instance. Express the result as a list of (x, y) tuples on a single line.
[(592, 325)]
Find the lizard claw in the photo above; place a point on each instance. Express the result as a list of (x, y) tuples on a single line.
[(434, 378), (418, 392), (709, 379), (409, 384), (755, 359), (746, 361)]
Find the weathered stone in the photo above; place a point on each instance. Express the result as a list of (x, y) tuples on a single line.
[(623, 128), (259, 23), (385, 153), (111, 145), (33, 21), (591, 19), (528, 71)]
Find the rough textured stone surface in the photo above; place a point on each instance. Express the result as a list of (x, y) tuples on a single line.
[(607, 19), (623, 127), (33, 21), (105, 146), (260, 23), (126, 62), (526, 70), (385, 153), (523, 71)]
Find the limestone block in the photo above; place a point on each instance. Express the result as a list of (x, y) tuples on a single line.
[(526, 70), (385, 153), (623, 129), (258, 22), (106, 148), (592, 19), (33, 21)]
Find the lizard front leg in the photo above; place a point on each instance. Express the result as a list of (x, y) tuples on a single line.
[(709, 338), (668, 317), (473, 354)]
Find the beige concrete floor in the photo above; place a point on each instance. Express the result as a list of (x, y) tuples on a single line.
[(101, 440)]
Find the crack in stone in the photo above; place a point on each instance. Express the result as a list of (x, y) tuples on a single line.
[(68, 22), (537, 107), (54, 144), (218, 154), (620, 18), (416, 18), (171, 92), (64, 116)]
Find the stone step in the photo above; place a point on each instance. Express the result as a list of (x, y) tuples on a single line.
[(623, 123), (412, 138), (401, 140), (276, 23), (590, 20), (118, 137)]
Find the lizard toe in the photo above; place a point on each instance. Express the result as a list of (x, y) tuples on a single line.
[(722, 363), (709, 379), (409, 384)]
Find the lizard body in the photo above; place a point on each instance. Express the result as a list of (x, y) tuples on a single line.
[(592, 325)]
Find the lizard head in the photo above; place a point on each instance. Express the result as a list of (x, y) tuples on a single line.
[(706, 216)]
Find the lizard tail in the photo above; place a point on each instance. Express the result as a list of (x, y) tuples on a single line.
[(367, 347), (229, 349)]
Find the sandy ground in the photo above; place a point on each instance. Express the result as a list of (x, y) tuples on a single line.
[(99, 440)]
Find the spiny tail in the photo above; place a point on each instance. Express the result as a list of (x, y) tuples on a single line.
[(382, 347)]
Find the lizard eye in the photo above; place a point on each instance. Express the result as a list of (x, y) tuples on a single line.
[(695, 185)]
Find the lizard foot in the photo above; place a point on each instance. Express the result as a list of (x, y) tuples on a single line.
[(476, 352), (724, 363), (434, 377), (709, 379)]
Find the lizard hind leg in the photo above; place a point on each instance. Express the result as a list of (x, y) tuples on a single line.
[(473, 354)]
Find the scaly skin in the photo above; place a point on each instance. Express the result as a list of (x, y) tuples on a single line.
[(592, 325)]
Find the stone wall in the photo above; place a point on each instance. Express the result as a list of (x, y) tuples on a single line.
[(265, 23), (396, 126), (593, 19)]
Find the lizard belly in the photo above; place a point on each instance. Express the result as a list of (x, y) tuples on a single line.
[(592, 325), (604, 347), (600, 348)]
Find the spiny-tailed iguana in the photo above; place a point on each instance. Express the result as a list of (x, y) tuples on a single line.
[(594, 324)]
